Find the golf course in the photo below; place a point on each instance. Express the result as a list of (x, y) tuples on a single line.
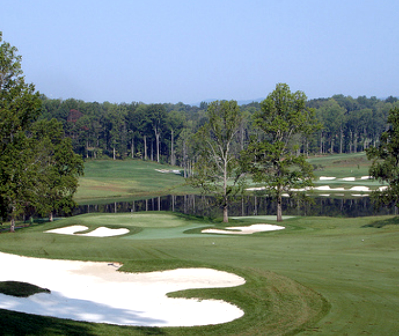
[(303, 276)]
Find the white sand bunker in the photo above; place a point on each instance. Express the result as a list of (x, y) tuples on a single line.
[(166, 171), (99, 232), (96, 292), (245, 229), (359, 188), (348, 179), (327, 178)]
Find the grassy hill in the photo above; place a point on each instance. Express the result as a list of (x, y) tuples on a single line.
[(129, 178)]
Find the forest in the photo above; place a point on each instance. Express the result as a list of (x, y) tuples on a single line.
[(163, 132)]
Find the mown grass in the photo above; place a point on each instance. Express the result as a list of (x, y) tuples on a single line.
[(129, 178), (320, 276), (341, 165)]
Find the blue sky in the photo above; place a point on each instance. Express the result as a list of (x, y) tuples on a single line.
[(182, 50)]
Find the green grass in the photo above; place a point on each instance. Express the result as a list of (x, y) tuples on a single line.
[(341, 165), (129, 178), (320, 276), (20, 289), (135, 179)]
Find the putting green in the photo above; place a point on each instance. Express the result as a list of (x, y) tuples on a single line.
[(142, 220)]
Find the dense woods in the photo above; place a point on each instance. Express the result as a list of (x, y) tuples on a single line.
[(163, 132)]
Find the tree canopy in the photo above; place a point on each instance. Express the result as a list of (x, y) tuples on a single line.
[(216, 169), (34, 157), (385, 162), (272, 156)]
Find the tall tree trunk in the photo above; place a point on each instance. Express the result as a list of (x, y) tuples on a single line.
[(145, 147), (114, 153), (132, 148), (355, 143), (152, 150), (50, 216), (351, 143), (184, 159), (157, 135), (225, 205), (225, 213), (172, 150), (341, 140), (279, 208), (321, 142)]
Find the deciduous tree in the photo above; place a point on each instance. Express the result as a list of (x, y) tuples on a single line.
[(217, 170), (385, 162), (273, 159), (19, 107)]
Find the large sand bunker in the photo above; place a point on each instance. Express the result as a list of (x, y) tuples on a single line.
[(245, 229), (99, 232), (96, 292)]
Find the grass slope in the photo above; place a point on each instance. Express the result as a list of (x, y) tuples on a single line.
[(111, 179), (320, 276), (341, 165)]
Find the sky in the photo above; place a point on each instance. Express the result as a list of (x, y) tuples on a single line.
[(169, 51)]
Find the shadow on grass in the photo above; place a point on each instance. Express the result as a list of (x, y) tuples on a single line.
[(382, 223), (13, 323)]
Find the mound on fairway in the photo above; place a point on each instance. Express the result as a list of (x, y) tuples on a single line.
[(99, 232), (96, 292), (245, 229)]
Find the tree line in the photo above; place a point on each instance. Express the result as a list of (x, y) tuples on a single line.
[(43, 141), (163, 132)]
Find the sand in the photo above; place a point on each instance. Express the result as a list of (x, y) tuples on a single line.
[(349, 179), (327, 178), (99, 232), (166, 171), (245, 230), (96, 292), (359, 188)]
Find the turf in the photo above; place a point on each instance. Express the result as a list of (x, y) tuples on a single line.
[(129, 178), (341, 165), (320, 276)]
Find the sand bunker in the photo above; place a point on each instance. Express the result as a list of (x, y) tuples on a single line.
[(96, 292), (99, 232), (245, 229), (327, 178), (69, 230), (359, 188), (348, 179), (166, 171)]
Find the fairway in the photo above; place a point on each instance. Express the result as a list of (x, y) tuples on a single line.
[(318, 276), (129, 178)]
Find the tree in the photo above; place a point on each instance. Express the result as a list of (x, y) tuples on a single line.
[(157, 114), (58, 168), (19, 107), (273, 159), (217, 164), (332, 116), (385, 162)]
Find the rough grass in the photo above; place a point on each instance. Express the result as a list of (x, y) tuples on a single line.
[(320, 276)]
